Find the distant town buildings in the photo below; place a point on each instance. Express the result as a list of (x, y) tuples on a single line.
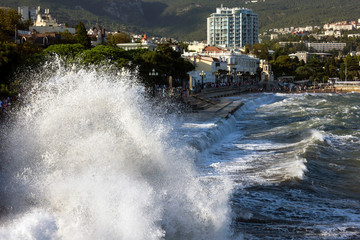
[(254, 1), (97, 35), (232, 27), (343, 25), (42, 22), (144, 43), (336, 30)]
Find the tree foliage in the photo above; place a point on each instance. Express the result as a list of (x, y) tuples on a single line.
[(260, 50), (9, 19), (284, 65), (112, 40), (349, 69), (9, 60), (67, 37), (66, 51), (81, 35), (165, 60)]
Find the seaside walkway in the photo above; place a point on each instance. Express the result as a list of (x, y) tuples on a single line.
[(210, 103)]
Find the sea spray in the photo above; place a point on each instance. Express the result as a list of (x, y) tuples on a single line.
[(87, 157)]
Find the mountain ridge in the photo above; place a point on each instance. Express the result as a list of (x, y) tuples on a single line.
[(186, 19)]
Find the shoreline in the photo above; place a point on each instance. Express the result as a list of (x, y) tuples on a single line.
[(212, 103)]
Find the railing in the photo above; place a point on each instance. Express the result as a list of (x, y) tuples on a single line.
[(347, 82)]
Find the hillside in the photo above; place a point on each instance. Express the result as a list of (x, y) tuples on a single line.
[(186, 19)]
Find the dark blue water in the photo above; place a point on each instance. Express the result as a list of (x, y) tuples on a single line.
[(294, 161), (87, 156)]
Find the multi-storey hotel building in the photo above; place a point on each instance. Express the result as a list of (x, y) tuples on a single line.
[(232, 27)]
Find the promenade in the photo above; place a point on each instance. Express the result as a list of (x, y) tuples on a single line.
[(210, 103)]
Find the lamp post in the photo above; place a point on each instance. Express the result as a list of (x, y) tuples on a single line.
[(234, 72), (345, 70), (216, 73), (202, 74), (152, 74), (228, 74), (239, 74), (252, 76)]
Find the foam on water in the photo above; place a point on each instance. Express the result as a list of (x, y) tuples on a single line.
[(294, 164), (36, 224), (256, 161), (88, 158)]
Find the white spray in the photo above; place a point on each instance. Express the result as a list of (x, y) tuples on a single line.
[(87, 158)]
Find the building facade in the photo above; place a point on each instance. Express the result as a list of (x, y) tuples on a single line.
[(27, 13), (222, 67), (42, 22), (232, 27), (326, 46)]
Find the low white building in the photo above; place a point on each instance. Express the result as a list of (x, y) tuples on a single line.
[(221, 66), (301, 56), (145, 43), (309, 28), (274, 36), (326, 47), (196, 47), (339, 26), (333, 33)]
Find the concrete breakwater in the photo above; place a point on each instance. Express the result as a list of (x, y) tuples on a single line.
[(213, 103)]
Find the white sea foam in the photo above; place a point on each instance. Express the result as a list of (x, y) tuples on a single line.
[(87, 158), (198, 125), (34, 225), (293, 168)]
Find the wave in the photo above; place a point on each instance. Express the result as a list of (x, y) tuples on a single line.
[(269, 155), (87, 157), (224, 126)]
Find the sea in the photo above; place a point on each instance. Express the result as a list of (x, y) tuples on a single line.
[(86, 154)]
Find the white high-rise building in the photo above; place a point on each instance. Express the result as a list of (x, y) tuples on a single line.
[(27, 13), (232, 27)]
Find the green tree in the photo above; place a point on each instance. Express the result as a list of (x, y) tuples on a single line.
[(184, 45), (9, 18), (247, 48), (167, 51), (112, 40), (284, 65), (317, 67), (260, 50), (81, 35), (102, 53), (279, 51), (350, 68), (303, 72), (9, 60), (67, 37), (66, 51)]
